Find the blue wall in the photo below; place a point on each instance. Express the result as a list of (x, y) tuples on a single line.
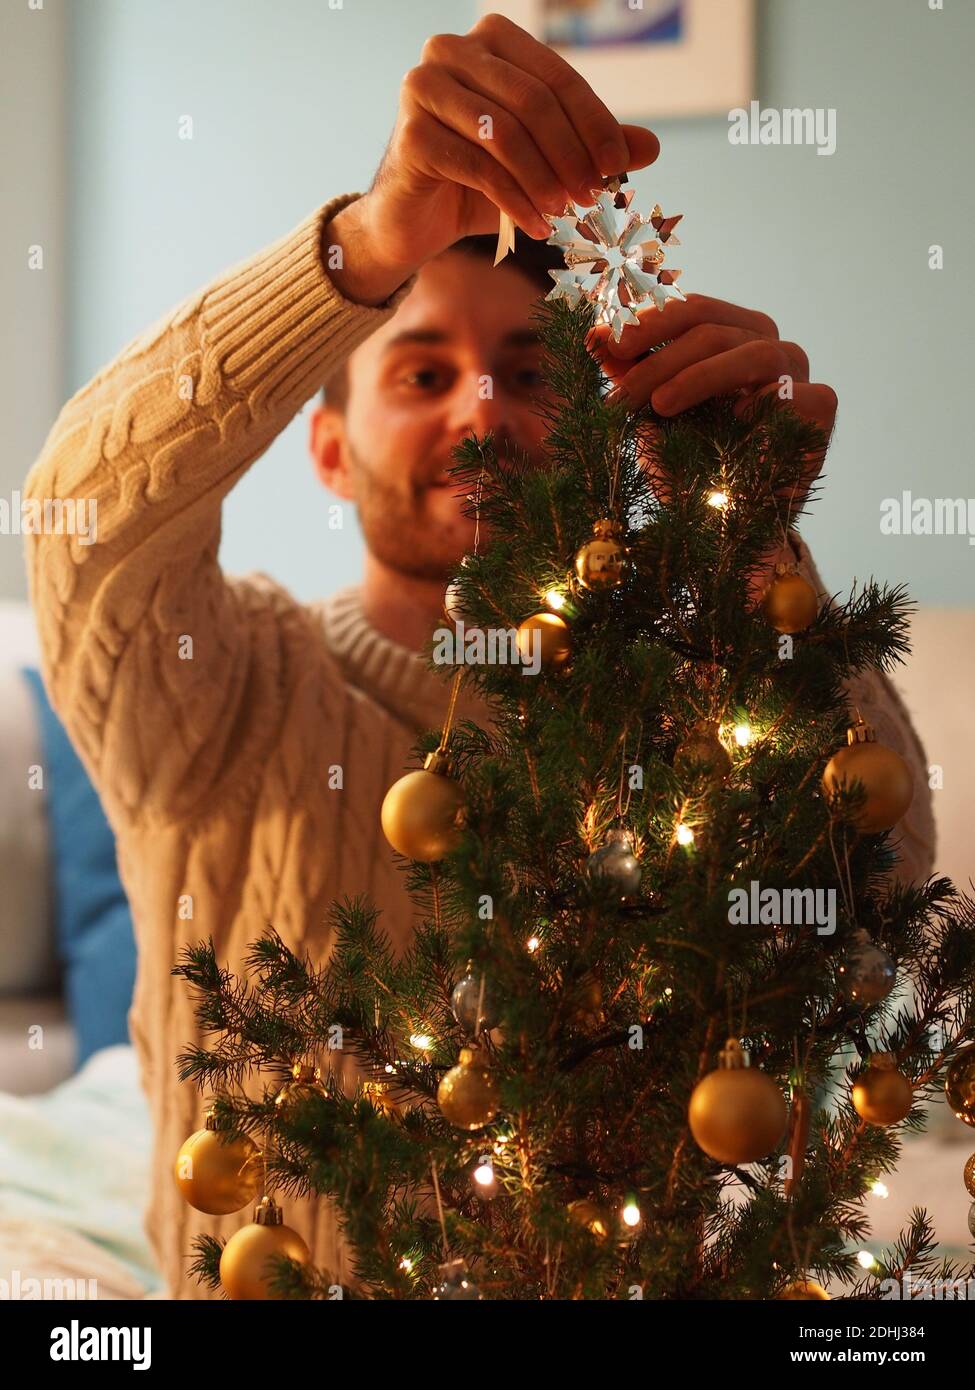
[(292, 103)]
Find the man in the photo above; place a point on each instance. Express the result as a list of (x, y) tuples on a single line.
[(213, 712)]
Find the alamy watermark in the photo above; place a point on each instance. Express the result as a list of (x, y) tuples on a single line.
[(908, 515), (793, 125), (756, 906), (487, 646), (50, 516)]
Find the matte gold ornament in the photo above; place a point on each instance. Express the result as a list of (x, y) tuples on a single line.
[(790, 603), (970, 1175), (468, 1095), (737, 1114), (702, 754), (306, 1081), (422, 813), (804, 1289), (247, 1265), (216, 1175), (594, 1217), (601, 561), (886, 778), (882, 1095), (546, 638), (960, 1084)]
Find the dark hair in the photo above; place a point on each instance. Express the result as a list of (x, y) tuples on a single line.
[(533, 258)]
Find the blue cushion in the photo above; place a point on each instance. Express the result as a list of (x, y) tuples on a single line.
[(92, 919)]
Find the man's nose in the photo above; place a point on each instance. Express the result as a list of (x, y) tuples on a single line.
[(480, 407)]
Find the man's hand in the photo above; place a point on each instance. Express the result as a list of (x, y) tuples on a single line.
[(712, 348), (491, 119)]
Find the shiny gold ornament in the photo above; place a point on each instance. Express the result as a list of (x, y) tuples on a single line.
[(545, 638), (702, 754), (601, 561), (215, 1175), (468, 1095), (737, 1114), (960, 1084), (306, 1081), (377, 1094), (590, 1214), (790, 603), (882, 1095), (970, 1175), (886, 778), (805, 1289), (247, 1265), (422, 813)]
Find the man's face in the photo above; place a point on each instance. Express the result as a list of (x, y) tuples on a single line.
[(460, 355)]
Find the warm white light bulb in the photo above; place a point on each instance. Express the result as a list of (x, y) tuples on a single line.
[(879, 1189), (865, 1260), (631, 1214), (555, 599), (743, 735), (533, 943), (421, 1041), (718, 498), (685, 835), (406, 1263), (484, 1174)]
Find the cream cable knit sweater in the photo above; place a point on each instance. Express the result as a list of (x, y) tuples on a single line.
[(214, 771)]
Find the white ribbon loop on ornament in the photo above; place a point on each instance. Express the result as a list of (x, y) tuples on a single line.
[(506, 238)]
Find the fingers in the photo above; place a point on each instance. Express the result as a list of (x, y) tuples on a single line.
[(814, 402), (455, 106), (596, 127), (708, 360), (656, 326), (460, 161), (748, 364)]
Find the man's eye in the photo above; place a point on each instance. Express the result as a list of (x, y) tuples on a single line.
[(424, 378), (525, 379)]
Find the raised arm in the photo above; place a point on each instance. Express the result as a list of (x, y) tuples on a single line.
[(152, 446)]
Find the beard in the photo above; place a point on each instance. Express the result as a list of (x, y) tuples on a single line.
[(412, 527)]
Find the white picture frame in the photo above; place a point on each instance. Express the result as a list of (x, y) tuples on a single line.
[(708, 69)]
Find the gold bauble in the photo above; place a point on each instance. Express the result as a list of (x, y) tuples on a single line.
[(882, 1095), (422, 812), (960, 1084), (886, 778), (601, 560), (468, 1095), (806, 1289), (214, 1175), (306, 1081), (590, 1214), (702, 754), (969, 1175), (247, 1267), (737, 1114), (552, 646), (790, 603)]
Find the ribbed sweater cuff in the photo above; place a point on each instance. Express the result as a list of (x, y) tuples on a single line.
[(276, 324)]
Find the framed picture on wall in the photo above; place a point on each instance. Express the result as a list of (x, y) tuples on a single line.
[(650, 58)]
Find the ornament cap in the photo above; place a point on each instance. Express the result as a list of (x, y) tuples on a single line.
[(619, 835), (268, 1213), (306, 1072), (734, 1056), (606, 528), (438, 762), (861, 732), (466, 1058), (883, 1061)]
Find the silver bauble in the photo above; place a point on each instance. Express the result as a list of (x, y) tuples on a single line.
[(463, 1004), (615, 865), (868, 974)]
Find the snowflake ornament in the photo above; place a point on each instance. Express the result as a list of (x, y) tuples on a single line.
[(614, 257)]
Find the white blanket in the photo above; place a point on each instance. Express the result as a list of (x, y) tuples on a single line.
[(74, 1172)]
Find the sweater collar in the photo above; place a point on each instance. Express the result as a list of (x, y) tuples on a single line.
[(395, 676)]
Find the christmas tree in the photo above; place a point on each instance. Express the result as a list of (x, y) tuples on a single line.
[(667, 1011)]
